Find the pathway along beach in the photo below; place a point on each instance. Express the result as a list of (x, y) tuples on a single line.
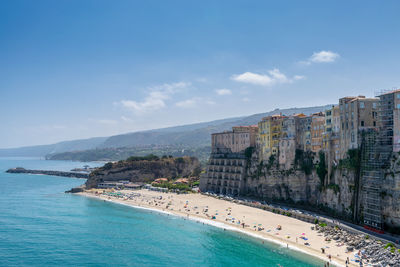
[(295, 234)]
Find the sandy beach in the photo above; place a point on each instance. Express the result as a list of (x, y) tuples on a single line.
[(294, 234)]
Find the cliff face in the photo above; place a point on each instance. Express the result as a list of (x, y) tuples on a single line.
[(270, 181), (145, 170), (390, 194)]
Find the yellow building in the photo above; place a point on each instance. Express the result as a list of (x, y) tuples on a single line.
[(269, 135)]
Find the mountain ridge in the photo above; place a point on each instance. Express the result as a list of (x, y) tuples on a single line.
[(193, 135)]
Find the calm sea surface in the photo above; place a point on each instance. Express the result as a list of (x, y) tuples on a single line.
[(42, 226)]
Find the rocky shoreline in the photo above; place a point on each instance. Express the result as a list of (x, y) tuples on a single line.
[(366, 248), (47, 172)]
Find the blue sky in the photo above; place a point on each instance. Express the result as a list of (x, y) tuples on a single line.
[(78, 69)]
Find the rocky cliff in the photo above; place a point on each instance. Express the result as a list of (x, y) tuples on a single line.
[(303, 185), (145, 170), (390, 195)]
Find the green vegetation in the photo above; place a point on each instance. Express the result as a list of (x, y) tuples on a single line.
[(334, 187), (322, 168), (304, 159), (353, 160), (171, 186), (248, 152), (107, 166), (149, 157), (316, 221), (322, 224), (366, 236), (122, 153), (271, 161), (179, 160), (391, 247)]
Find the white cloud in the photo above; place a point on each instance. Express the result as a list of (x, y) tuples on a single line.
[(246, 99), (189, 103), (298, 77), (156, 98), (107, 122), (324, 57), (273, 77), (321, 57), (126, 119), (223, 92), (194, 102)]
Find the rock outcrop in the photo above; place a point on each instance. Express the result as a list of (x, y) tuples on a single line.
[(145, 170)]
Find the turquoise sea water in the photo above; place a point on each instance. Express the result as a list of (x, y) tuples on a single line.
[(42, 226)]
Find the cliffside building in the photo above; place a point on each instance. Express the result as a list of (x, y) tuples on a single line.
[(237, 140), (288, 141), (226, 167), (389, 119), (270, 133), (356, 114), (303, 137), (317, 131)]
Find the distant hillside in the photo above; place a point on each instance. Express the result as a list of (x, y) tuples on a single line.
[(43, 150), (192, 136), (121, 153), (195, 134)]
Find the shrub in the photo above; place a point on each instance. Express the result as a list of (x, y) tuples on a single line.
[(149, 157), (389, 245), (304, 160), (322, 168), (107, 166)]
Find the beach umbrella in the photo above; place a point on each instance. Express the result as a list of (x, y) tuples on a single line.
[(303, 234)]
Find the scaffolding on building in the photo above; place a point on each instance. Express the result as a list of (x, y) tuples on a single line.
[(376, 149), (371, 177)]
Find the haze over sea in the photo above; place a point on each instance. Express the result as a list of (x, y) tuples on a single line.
[(40, 225)]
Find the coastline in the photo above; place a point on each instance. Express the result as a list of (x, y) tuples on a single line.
[(312, 250)]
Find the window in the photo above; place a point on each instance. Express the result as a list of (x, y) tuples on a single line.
[(398, 95), (352, 137), (374, 123), (398, 106), (374, 105), (362, 105), (362, 123)]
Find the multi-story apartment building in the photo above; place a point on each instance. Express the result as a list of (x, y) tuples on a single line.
[(356, 114), (287, 143), (317, 131), (226, 167), (335, 135), (389, 126), (237, 140), (270, 133), (303, 136)]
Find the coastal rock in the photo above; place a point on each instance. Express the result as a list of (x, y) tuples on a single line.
[(52, 173), (145, 170)]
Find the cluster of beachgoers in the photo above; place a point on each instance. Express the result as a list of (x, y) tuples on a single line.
[(335, 246)]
